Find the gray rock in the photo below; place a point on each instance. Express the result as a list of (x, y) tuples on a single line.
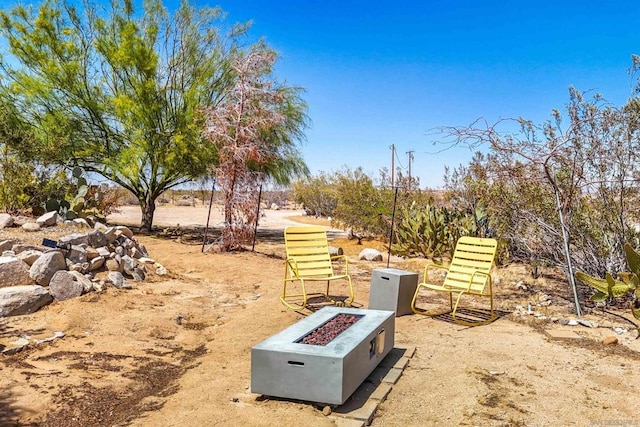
[(160, 270), (81, 223), (128, 264), (119, 250), (104, 252), (139, 251), (117, 279), (48, 220), (30, 256), (46, 266), (121, 229), (113, 265), (87, 284), (143, 250), (8, 253), (99, 226), (370, 254), (6, 220), (77, 254), (97, 239), (20, 220), (14, 272), (96, 263), (82, 267), (31, 226), (110, 234), (19, 300), (91, 253), (74, 239), (64, 286), (99, 286), (20, 247), (6, 245), (138, 274)]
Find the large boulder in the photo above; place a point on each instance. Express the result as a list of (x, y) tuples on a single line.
[(19, 300), (64, 285), (46, 266), (14, 272), (370, 254)]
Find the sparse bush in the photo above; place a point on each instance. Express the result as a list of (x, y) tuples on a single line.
[(317, 195)]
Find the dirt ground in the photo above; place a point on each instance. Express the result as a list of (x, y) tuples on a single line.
[(176, 350)]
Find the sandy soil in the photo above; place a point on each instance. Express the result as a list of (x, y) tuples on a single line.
[(175, 351)]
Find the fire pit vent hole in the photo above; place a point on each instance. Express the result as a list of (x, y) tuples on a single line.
[(330, 329)]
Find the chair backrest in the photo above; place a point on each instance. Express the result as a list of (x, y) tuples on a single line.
[(309, 247), (472, 254)]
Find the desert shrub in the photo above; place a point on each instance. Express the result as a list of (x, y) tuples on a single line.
[(316, 194), (15, 177)]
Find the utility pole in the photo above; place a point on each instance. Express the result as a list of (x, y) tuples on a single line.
[(393, 157), (410, 153)]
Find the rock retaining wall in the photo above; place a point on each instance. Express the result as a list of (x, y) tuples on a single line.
[(32, 276)]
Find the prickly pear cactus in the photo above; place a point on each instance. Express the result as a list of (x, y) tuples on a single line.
[(81, 205), (628, 281), (430, 231)]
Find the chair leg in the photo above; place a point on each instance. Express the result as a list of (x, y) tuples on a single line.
[(417, 310), (293, 306)]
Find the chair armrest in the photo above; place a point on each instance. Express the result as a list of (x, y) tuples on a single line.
[(293, 265), (481, 273), (346, 262), (426, 268)]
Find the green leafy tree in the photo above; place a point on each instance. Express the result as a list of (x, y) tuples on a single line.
[(16, 171), (118, 90)]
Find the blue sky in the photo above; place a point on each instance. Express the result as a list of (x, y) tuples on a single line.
[(378, 73), (381, 72)]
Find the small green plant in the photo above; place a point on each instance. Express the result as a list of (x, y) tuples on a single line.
[(82, 205), (627, 282)]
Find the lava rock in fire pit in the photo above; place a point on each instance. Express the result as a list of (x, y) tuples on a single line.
[(324, 334)]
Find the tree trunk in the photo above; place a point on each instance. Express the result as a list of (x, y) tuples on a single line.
[(148, 207)]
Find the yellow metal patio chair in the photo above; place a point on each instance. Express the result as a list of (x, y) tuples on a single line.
[(309, 260), (468, 274)]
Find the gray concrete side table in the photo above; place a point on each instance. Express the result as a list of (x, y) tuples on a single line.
[(392, 289)]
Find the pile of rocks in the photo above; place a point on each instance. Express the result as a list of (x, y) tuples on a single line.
[(32, 276)]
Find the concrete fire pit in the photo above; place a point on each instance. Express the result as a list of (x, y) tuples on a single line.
[(284, 366)]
